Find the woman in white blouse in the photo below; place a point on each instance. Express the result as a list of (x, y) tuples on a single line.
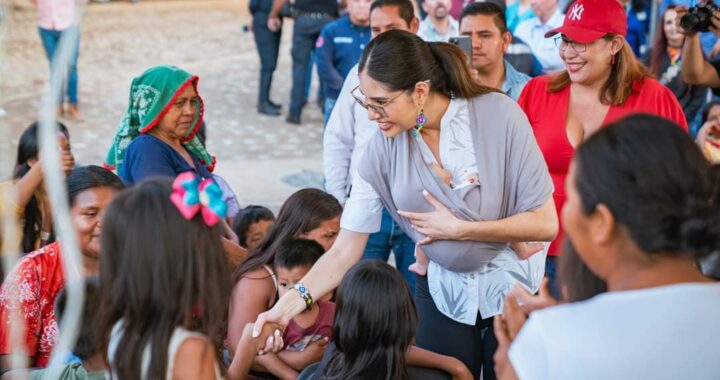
[(460, 160), (643, 207)]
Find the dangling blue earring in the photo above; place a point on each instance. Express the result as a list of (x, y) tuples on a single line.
[(420, 122)]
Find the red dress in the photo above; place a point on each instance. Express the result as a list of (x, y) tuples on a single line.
[(547, 113), (30, 290)]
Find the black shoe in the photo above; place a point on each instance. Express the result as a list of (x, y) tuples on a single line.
[(293, 118), (274, 105), (268, 109)]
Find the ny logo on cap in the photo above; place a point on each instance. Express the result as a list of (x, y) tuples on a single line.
[(576, 12)]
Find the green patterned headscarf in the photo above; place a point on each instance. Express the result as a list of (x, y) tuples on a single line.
[(151, 96)]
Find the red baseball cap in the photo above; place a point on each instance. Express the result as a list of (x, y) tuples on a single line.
[(589, 20)]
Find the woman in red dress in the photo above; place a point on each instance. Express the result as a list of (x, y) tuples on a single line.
[(601, 83), (30, 289)]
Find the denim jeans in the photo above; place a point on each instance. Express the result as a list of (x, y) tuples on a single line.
[(392, 238), (551, 269), (327, 109), (51, 40)]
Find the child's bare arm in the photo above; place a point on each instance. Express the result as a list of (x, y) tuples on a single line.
[(246, 351), (423, 358), (299, 360), (273, 364)]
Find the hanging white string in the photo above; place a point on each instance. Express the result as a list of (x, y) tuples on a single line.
[(10, 233), (54, 182), (57, 192)]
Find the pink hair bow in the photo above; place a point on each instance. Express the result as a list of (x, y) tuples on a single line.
[(190, 196)]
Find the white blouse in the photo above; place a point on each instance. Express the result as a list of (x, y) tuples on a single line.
[(459, 296)]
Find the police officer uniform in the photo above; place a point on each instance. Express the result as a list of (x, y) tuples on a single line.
[(268, 45), (310, 17)]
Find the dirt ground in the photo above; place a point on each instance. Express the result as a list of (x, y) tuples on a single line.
[(263, 158)]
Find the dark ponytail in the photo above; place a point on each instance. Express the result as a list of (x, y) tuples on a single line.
[(656, 183), (400, 59)]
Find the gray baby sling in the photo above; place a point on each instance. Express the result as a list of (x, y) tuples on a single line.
[(512, 173)]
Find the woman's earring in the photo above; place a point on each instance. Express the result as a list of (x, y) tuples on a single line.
[(420, 122), (612, 60)]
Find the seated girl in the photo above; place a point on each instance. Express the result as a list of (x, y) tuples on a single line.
[(374, 329), (164, 285), (308, 214)]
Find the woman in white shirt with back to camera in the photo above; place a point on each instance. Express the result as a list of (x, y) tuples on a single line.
[(643, 208)]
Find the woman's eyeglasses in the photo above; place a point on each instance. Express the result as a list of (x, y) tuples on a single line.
[(362, 101), (563, 45)]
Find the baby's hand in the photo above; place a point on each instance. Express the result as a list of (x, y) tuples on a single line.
[(421, 262)]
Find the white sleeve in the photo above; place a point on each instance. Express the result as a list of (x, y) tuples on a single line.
[(339, 140), (528, 353), (363, 210)]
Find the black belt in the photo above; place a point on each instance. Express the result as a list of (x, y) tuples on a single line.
[(319, 15)]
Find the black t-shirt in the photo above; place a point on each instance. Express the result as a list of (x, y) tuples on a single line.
[(322, 6), (716, 65)]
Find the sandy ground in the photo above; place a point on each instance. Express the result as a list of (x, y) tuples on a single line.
[(263, 158)]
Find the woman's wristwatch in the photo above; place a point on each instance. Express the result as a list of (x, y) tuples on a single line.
[(305, 294)]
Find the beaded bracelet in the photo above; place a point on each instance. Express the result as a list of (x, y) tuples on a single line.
[(305, 294)]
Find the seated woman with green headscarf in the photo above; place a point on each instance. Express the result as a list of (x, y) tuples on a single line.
[(157, 134)]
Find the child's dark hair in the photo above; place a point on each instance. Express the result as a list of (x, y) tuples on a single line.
[(302, 212), (88, 342), (28, 149), (293, 253), (247, 217), (656, 183), (159, 271), (375, 323)]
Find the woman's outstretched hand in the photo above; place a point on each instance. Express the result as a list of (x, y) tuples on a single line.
[(440, 224)]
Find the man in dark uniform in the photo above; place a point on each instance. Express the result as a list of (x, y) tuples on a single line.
[(310, 17), (268, 45)]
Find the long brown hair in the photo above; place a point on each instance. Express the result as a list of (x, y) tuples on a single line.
[(658, 55), (400, 59), (302, 212), (158, 272), (624, 74)]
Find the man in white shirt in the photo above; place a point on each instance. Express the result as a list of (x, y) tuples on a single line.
[(439, 25), (348, 132), (532, 32)]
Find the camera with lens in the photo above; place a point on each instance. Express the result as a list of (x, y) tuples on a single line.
[(698, 18)]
